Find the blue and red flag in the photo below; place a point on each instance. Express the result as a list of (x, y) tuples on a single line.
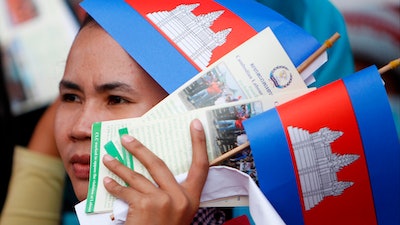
[(331, 156), (156, 33)]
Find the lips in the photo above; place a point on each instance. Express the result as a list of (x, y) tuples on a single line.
[(81, 166)]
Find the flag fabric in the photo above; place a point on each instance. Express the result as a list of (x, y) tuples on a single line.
[(331, 156), (156, 33)]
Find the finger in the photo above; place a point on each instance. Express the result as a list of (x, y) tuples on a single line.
[(198, 171), (119, 191), (132, 178), (158, 170)]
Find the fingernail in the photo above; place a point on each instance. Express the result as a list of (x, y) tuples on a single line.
[(127, 138), (108, 157), (107, 180), (197, 125)]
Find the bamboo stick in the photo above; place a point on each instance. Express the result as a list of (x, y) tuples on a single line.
[(391, 65), (229, 154), (327, 44)]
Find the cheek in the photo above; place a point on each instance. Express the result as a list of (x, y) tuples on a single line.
[(154, 98), (61, 127)]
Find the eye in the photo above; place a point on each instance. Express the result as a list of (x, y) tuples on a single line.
[(70, 98), (114, 100)]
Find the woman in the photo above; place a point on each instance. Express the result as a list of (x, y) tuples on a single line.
[(102, 82)]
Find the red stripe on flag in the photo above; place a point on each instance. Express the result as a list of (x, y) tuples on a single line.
[(328, 107), (241, 31)]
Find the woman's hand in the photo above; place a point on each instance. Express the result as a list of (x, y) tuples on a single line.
[(170, 203)]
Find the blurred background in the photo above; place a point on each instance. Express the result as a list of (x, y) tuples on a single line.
[(374, 32), (35, 36)]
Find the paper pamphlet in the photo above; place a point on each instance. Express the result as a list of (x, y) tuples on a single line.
[(249, 80), (259, 66)]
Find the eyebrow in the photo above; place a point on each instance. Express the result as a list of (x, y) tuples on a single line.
[(114, 86), (119, 86), (64, 84)]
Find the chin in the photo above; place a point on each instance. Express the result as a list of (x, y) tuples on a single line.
[(80, 188)]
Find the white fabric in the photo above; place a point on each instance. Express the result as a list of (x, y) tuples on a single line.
[(221, 182)]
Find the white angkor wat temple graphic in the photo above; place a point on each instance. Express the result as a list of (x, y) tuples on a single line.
[(191, 33), (317, 166)]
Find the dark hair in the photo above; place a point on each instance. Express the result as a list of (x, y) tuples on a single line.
[(88, 20)]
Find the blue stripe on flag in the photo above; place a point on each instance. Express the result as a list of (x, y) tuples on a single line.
[(274, 165), (298, 44), (380, 142), (142, 41)]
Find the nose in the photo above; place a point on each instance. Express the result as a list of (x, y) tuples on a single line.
[(82, 122)]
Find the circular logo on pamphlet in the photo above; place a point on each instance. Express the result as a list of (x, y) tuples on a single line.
[(281, 76)]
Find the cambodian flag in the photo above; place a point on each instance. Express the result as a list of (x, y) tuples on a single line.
[(331, 156), (176, 39)]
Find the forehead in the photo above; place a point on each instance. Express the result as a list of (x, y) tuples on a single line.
[(96, 57)]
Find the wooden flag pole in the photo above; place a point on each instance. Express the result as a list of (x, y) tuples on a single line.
[(229, 154), (327, 44), (391, 65)]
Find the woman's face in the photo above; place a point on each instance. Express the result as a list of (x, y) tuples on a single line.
[(101, 82)]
